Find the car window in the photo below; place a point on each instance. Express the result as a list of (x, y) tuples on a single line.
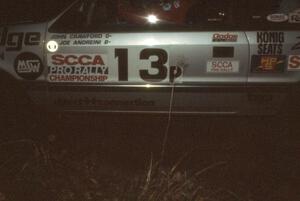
[(133, 15), (272, 14)]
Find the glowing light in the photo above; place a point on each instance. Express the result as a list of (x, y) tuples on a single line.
[(52, 46), (152, 19), (148, 86)]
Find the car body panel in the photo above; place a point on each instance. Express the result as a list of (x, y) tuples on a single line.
[(178, 70)]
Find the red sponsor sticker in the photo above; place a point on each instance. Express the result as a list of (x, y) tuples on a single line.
[(294, 62)]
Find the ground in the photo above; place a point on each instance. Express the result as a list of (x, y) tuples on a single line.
[(109, 157)]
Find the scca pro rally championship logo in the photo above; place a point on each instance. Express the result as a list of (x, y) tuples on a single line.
[(28, 66), (77, 68)]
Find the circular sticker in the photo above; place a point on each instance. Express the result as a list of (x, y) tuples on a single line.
[(279, 17), (28, 66)]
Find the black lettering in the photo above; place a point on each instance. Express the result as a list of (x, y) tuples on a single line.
[(175, 72), (270, 37), (122, 55), (159, 65), (297, 45), (279, 49), (259, 37), (3, 36), (260, 49), (32, 38), (14, 41), (2, 57)]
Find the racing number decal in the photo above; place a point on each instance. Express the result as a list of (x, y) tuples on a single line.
[(159, 65), (162, 56), (122, 55)]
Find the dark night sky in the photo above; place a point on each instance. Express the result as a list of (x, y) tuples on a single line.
[(12, 11)]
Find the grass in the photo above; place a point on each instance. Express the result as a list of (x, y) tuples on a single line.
[(46, 174)]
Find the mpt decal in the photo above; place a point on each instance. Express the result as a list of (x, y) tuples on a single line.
[(28, 66)]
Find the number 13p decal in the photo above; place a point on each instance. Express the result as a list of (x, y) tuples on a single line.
[(160, 65)]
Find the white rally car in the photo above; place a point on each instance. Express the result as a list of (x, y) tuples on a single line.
[(156, 56)]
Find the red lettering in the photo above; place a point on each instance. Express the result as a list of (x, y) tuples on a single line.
[(57, 59), (84, 60), (294, 62), (98, 60), (222, 64), (69, 58), (72, 60)]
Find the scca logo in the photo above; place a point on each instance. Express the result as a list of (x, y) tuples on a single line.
[(84, 60), (14, 41), (294, 62)]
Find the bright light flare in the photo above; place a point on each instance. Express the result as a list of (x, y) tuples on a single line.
[(52, 46), (152, 19)]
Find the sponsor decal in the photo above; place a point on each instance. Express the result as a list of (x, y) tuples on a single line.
[(278, 17), (297, 45), (99, 102), (268, 63), (89, 36), (222, 66), (14, 41), (28, 66), (270, 43), (77, 68), (294, 62), (90, 42), (294, 17), (82, 39), (227, 37)]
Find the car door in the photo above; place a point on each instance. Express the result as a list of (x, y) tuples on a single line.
[(95, 63), (214, 58)]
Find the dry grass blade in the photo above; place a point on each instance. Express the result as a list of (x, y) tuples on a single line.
[(210, 167)]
